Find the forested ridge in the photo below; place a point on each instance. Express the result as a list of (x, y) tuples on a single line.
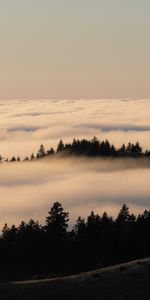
[(89, 148), (31, 250)]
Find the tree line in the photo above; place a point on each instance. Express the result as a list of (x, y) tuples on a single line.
[(84, 147), (32, 250)]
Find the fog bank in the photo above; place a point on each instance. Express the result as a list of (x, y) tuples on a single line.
[(28, 189), (25, 124)]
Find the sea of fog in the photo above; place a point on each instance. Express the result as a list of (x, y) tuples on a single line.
[(25, 124), (27, 190)]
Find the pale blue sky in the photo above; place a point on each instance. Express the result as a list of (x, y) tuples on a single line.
[(74, 48)]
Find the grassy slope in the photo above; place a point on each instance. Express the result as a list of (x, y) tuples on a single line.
[(126, 281)]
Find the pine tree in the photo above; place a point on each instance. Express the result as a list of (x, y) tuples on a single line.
[(41, 153), (32, 157), (57, 221), (13, 159), (60, 146)]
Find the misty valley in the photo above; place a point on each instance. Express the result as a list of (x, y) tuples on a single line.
[(91, 185), (72, 205)]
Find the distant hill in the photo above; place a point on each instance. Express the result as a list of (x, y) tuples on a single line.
[(88, 148)]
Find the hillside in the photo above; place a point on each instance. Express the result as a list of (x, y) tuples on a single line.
[(127, 281)]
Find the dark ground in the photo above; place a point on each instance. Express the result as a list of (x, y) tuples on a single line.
[(124, 282)]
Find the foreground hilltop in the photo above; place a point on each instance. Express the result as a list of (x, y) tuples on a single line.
[(127, 281)]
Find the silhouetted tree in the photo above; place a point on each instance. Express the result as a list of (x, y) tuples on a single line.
[(57, 221), (13, 159), (60, 146), (41, 152), (32, 157), (123, 215), (26, 158), (50, 151)]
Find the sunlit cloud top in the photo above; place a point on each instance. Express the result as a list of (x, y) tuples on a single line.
[(25, 124)]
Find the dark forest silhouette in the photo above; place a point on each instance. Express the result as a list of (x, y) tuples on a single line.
[(51, 249), (89, 148)]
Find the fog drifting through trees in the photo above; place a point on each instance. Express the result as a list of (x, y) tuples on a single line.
[(81, 184), (28, 190)]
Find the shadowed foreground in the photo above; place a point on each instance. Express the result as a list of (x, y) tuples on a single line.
[(125, 281)]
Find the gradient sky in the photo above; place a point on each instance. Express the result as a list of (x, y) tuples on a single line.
[(74, 49)]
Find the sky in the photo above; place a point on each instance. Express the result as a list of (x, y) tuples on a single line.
[(74, 49)]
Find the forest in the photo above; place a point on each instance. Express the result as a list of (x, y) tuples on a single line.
[(33, 251), (84, 147)]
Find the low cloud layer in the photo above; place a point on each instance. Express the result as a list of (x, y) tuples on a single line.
[(25, 124), (115, 127), (29, 189)]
